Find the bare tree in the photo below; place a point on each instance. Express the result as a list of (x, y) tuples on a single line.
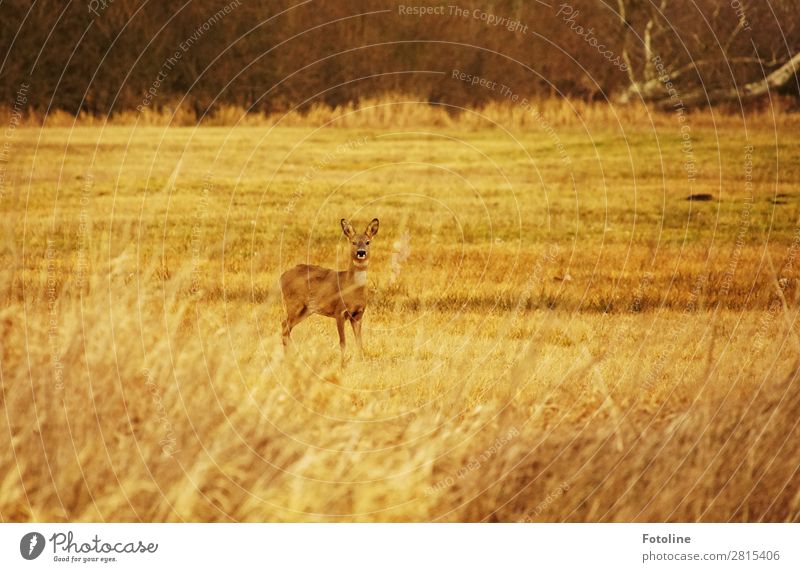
[(715, 53), (278, 54)]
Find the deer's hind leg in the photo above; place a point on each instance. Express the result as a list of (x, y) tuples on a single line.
[(294, 315)]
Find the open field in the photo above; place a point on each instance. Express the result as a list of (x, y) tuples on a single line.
[(554, 332)]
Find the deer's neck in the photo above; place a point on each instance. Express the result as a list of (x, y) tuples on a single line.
[(358, 273)]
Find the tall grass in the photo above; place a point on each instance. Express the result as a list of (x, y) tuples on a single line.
[(397, 111), (640, 365), (134, 402)]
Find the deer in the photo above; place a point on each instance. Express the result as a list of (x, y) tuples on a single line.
[(338, 294)]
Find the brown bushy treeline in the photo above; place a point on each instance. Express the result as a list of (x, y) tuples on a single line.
[(106, 56)]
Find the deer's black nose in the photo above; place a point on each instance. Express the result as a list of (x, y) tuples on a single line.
[(361, 253)]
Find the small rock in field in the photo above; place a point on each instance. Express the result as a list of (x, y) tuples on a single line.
[(702, 197)]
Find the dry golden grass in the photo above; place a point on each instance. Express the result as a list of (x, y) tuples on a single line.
[(534, 350), (400, 111)]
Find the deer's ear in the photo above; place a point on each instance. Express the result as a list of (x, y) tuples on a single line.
[(372, 228), (348, 229)]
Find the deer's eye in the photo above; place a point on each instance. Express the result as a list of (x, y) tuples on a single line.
[(354, 243), (367, 242)]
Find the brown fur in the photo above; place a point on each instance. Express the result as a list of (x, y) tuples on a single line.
[(340, 295)]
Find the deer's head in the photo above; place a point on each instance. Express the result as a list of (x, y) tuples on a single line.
[(359, 243)]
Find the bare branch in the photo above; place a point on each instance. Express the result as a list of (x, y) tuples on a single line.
[(774, 80)]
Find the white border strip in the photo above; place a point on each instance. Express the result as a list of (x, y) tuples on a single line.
[(406, 547)]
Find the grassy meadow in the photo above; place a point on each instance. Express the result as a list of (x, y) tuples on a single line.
[(554, 332)]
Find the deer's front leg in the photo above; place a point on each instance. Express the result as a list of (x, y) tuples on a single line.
[(355, 321), (340, 328)]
